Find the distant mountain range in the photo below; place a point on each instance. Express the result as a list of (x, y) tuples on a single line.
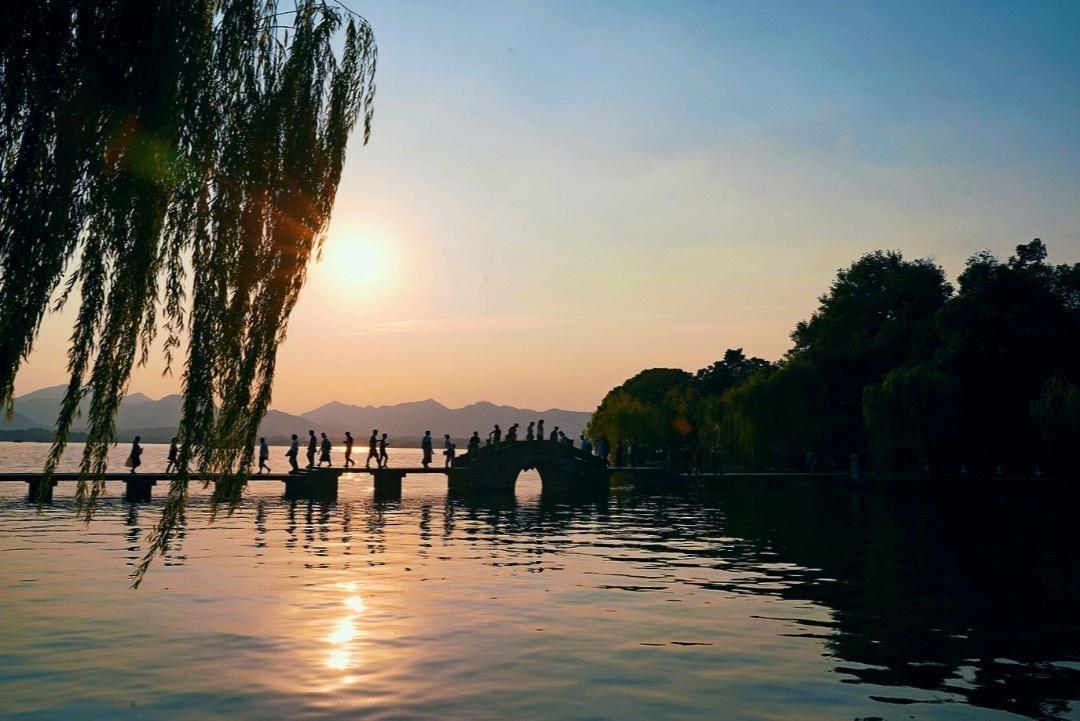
[(156, 420)]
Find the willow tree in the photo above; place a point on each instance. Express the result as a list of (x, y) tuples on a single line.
[(170, 167)]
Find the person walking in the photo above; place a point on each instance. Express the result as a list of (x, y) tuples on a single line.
[(324, 448), (554, 437), (264, 456), (448, 449), (585, 444), (372, 449), (540, 430), (530, 433), (292, 453), (134, 459), (451, 453), (174, 453), (496, 435), (384, 459), (511, 433), (312, 446), (348, 450), (425, 446), (474, 442)]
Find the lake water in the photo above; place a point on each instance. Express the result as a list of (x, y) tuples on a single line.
[(762, 599)]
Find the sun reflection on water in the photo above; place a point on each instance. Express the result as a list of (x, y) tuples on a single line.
[(338, 659), (342, 655), (344, 632)]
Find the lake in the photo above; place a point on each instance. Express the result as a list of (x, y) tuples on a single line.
[(753, 599)]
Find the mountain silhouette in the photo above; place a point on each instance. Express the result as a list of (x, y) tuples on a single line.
[(156, 419), (412, 419), (17, 421)]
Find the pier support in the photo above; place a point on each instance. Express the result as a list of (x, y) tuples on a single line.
[(388, 484), (138, 488), (34, 486), (312, 486)]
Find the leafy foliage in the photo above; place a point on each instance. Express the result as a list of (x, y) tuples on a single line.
[(1012, 327), (158, 149), (896, 364), (652, 408), (910, 417)]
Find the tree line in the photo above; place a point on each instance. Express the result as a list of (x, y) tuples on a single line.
[(895, 365)]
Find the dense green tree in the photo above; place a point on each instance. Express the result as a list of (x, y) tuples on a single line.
[(734, 367), (1057, 421), (773, 418), (652, 409), (893, 363), (1011, 328), (910, 418), (878, 314), (711, 383)]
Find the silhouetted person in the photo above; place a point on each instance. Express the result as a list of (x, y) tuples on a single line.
[(292, 453), (496, 434), (425, 446), (602, 447), (174, 453), (474, 442), (451, 453), (134, 460), (554, 437), (565, 439), (585, 444), (264, 456), (373, 449), (348, 450), (511, 433), (312, 446), (448, 449), (540, 430), (324, 447), (384, 458), (530, 434)]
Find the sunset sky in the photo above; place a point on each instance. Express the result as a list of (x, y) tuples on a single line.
[(559, 194)]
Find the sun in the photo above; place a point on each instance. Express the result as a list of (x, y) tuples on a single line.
[(357, 263)]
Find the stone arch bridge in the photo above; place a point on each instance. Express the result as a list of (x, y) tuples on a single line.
[(497, 466)]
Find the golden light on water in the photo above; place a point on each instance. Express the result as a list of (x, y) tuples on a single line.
[(342, 653), (344, 632), (338, 659)]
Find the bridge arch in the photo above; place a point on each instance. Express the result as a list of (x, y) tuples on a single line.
[(498, 466)]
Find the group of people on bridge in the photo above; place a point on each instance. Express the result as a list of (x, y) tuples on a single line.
[(321, 447), (377, 446)]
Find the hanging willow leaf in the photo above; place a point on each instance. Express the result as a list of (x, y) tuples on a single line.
[(178, 162)]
